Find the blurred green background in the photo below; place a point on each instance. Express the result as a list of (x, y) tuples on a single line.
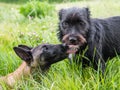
[(36, 25)]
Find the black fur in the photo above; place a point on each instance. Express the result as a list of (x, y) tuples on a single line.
[(102, 35)]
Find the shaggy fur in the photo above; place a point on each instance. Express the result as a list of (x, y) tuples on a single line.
[(101, 37)]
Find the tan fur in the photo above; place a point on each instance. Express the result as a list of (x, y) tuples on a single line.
[(10, 79)]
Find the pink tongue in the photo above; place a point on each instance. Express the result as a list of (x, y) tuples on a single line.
[(71, 51)]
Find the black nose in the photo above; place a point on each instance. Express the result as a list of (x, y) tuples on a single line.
[(72, 39)]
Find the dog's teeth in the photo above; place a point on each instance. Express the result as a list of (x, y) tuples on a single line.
[(72, 49), (76, 49)]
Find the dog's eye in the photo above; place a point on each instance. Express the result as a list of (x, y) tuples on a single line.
[(45, 48), (65, 24), (81, 23)]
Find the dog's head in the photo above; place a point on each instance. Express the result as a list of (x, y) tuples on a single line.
[(73, 27), (41, 56)]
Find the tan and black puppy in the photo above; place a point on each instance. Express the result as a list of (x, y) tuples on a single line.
[(41, 56)]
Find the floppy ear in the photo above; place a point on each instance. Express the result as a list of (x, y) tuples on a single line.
[(25, 47), (24, 54), (61, 12)]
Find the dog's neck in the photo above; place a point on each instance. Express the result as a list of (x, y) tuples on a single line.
[(22, 71)]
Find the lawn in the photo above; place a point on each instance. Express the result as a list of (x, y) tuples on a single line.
[(16, 29)]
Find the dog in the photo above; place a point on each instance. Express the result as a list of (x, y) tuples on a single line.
[(41, 57), (97, 39)]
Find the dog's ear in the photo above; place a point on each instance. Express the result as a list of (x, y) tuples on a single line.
[(25, 47), (61, 12), (24, 54), (87, 12)]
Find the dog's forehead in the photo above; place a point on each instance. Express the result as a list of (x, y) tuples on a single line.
[(39, 48), (73, 11), (36, 49), (73, 14)]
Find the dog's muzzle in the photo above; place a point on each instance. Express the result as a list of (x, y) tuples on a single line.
[(74, 42)]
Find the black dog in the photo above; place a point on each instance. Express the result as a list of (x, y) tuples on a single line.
[(99, 37)]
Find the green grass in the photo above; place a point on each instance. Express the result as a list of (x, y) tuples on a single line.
[(16, 29)]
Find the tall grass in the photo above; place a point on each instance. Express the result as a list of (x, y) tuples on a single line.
[(16, 29)]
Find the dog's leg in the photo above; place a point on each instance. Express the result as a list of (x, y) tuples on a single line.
[(98, 61), (10, 79), (95, 55), (99, 64)]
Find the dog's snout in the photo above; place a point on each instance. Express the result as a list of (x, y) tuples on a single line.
[(72, 39)]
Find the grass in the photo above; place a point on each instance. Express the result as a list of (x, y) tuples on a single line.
[(16, 29)]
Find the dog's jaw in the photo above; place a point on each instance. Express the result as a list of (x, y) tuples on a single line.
[(73, 49)]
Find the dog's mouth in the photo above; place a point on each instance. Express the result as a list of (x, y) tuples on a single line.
[(73, 49), (53, 53)]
